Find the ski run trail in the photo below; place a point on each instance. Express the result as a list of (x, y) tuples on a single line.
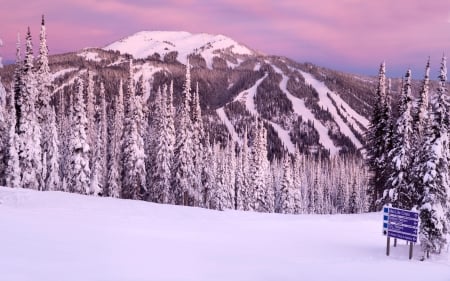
[(247, 97)]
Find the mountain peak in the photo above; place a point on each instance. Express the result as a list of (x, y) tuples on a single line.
[(145, 43)]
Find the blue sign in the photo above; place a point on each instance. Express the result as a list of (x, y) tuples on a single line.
[(403, 221), (403, 213), (407, 237), (401, 224)]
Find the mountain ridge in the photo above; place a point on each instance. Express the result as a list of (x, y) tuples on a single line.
[(297, 115)]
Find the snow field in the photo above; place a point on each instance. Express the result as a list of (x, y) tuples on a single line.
[(61, 236), (146, 43)]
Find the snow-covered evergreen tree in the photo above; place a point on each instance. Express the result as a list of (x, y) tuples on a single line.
[(377, 140), (18, 84), (79, 171), (44, 83), (183, 169), (133, 157), (161, 176), (298, 182), (52, 178), (46, 117), (29, 129), (229, 176), (400, 192), (12, 172), (208, 176), (258, 170), (4, 134), (90, 114), (286, 198), (198, 138), (114, 178), (433, 184), (420, 112), (241, 176), (98, 173)]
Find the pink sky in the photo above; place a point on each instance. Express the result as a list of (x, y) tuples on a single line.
[(348, 35)]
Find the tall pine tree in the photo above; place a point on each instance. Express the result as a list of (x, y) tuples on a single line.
[(133, 156), (400, 193), (433, 184), (79, 170), (377, 146), (29, 129)]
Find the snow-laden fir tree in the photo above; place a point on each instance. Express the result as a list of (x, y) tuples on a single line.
[(230, 175), (220, 193), (12, 172), (245, 194), (98, 172), (258, 169), (171, 117), (44, 83), (286, 198), (183, 169), (299, 180), (433, 182), (161, 175), (421, 108), (114, 178), (400, 192), (198, 138), (4, 133), (18, 84), (241, 176), (133, 156), (90, 114), (318, 188), (30, 152), (52, 178), (377, 141), (208, 176), (46, 117), (79, 171)]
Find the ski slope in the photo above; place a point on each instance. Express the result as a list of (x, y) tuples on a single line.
[(224, 118), (56, 236), (326, 103), (248, 97), (301, 110)]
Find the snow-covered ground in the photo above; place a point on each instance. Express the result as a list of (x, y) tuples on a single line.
[(61, 236), (90, 55)]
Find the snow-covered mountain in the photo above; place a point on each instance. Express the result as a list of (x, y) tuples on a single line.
[(305, 106), (146, 43)]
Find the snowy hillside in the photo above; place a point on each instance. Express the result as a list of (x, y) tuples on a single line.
[(60, 236), (146, 43)]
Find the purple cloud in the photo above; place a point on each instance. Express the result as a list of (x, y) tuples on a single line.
[(349, 35)]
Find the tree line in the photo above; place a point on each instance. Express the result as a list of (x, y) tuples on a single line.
[(148, 149)]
